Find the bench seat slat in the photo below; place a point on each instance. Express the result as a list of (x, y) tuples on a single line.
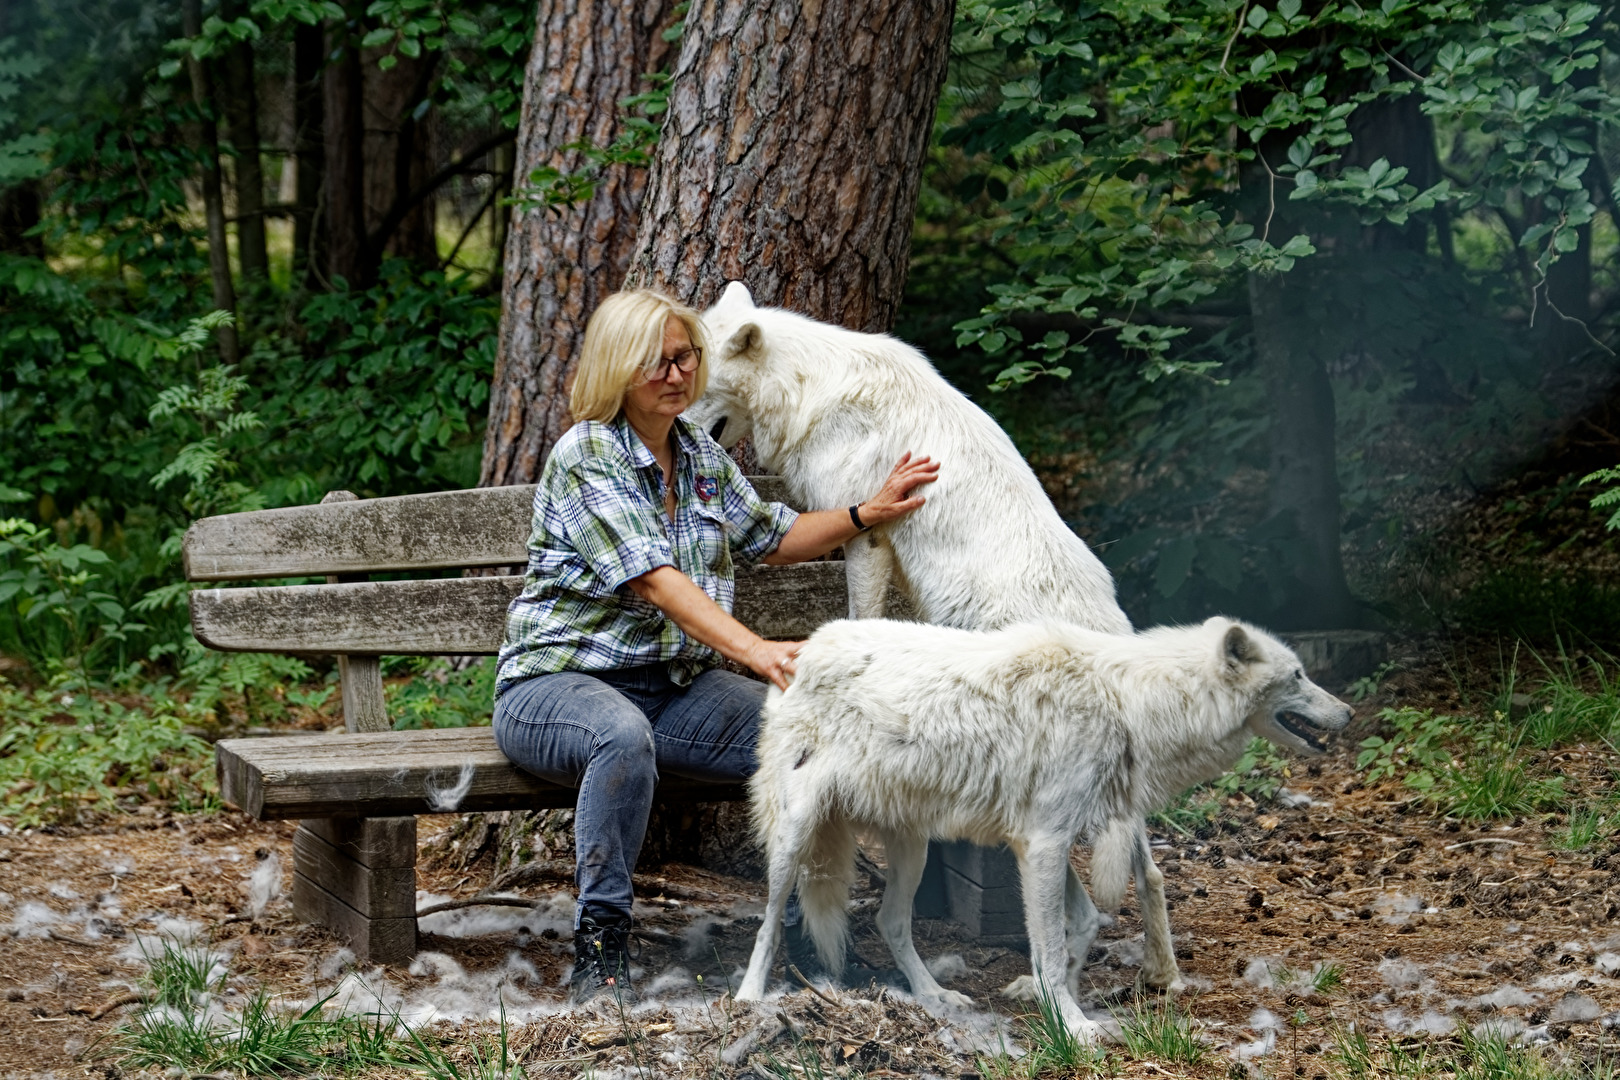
[(395, 773), (459, 616), (440, 530)]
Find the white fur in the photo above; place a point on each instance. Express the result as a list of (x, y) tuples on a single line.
[(1028, 736), (831, 410)]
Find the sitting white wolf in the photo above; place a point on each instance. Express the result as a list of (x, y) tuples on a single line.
[(1028, 736), (830, 410)]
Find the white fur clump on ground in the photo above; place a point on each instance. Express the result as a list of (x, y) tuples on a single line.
[(264, 885), (553, 912)]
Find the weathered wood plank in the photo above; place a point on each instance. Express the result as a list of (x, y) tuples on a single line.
[(439, 530), (453, 616), (375, 941), (382, 892), (387, 774), (374, 841), (360, 680)]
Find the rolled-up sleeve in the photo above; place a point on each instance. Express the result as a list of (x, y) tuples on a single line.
[(610, 521), (757, 526)]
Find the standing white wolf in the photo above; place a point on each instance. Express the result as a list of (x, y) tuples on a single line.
[(1028, 736), (830, 409)]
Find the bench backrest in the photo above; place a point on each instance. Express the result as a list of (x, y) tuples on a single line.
[(348, 539)]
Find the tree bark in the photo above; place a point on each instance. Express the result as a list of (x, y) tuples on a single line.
[(1565, 297), (345, 203), (242, 116), (792, 152), (398, 160), (219, 254), (309, 148), (559, 264), (1304, 459)]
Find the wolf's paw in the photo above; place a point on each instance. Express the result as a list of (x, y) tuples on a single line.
[(1021, 989), (948, 999), (1088, 1031), (1169, 982)]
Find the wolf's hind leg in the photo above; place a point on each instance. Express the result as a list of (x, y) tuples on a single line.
[(869, 567), (1082, 926), (907, 854), (784, 851), (1158, 952)]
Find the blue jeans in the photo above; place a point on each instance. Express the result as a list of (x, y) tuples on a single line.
[(610, 734)]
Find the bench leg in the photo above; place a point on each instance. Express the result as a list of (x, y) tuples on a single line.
[(357, 876)]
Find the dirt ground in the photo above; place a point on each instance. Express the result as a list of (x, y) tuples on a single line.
[(1432, 922)]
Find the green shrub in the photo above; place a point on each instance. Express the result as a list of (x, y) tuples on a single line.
[(61, 754), (438, 696)]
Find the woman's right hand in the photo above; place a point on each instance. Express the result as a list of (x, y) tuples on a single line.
[(774, 660)]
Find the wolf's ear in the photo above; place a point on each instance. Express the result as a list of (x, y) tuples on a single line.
[(747, 340), (1238, 648), (736, 295)]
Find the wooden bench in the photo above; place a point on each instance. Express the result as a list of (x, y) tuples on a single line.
[(356, 795)]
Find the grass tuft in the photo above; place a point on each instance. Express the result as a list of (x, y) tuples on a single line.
[(1160, 1034)]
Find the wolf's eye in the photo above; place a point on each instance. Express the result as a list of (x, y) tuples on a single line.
[(1299, 675)]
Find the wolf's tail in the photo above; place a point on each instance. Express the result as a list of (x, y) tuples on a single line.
[(829, 871), (1112, 854)]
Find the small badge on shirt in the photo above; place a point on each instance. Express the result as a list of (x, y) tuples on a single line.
[(707, 487)]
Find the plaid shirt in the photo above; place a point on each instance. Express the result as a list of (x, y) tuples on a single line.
[(599, 521)]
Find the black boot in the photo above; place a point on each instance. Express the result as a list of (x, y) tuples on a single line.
[(602, 956)]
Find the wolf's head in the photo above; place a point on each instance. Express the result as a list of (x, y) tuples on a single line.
[(735, 342), (1284, 706)]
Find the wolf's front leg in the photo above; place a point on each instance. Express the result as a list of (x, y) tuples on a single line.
[(868, 569), (907, 855), (1043, 868)]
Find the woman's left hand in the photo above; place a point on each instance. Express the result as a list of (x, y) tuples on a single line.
[(895, 499)]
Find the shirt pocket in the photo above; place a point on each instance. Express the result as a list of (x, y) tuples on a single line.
[(714, 552)]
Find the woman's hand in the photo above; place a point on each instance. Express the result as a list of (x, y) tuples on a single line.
[(774, 660), (819, 531), (894, 499)]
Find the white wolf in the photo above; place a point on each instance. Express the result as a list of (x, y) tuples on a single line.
[(831, 410), (1028, 736)]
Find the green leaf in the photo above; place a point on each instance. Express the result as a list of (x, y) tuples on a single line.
[(1174, 564)]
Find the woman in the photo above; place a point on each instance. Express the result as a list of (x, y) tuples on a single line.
[(607, 676)]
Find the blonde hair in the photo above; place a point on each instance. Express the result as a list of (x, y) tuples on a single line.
[(625, 337)]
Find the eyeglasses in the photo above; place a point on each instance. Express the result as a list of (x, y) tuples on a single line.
[(686, 360)]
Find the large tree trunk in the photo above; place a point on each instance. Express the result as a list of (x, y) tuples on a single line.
[(792, 152), (559, 264), (242, 115), (309, 149), (219, 255)]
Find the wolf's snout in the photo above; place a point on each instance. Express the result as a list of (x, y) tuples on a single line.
[(719, 426)]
